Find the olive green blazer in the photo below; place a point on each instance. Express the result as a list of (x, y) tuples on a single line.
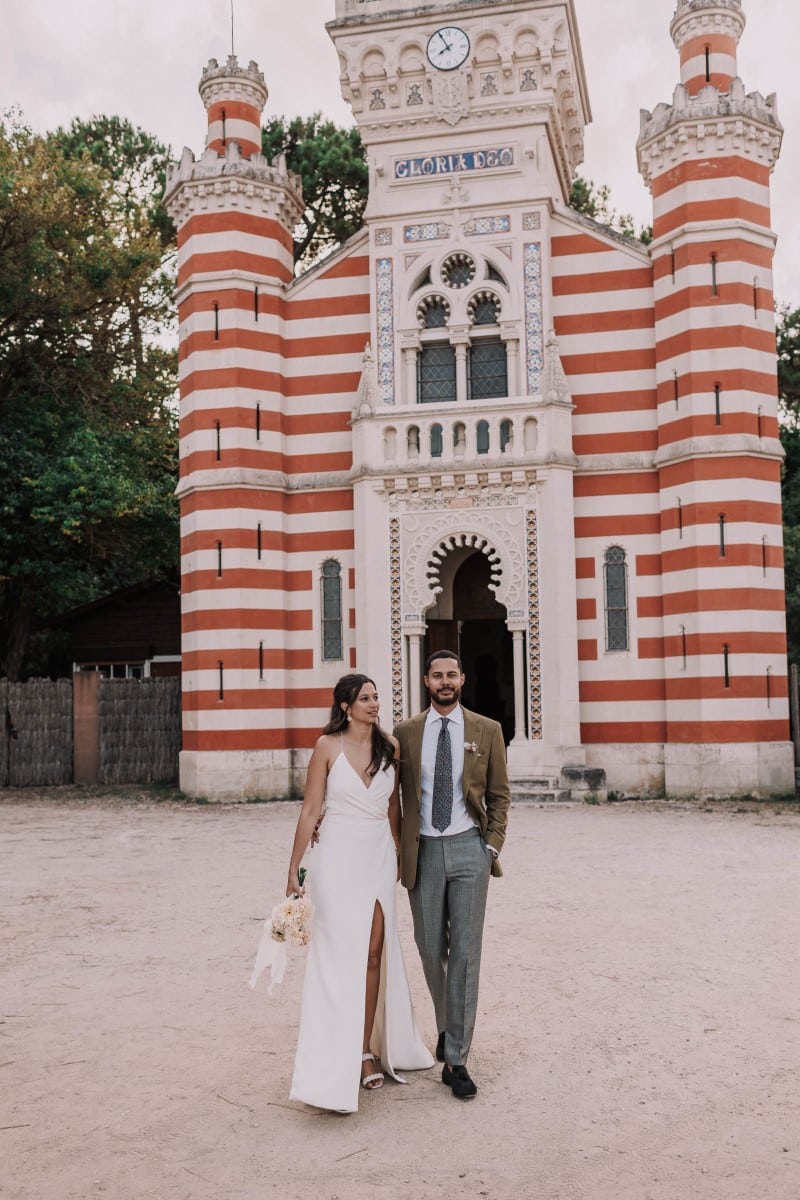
[(487, 793)]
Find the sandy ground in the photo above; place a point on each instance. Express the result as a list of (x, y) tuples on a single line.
[(638, 1034)]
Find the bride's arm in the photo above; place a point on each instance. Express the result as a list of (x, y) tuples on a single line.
[(395, 815), (316, 778)]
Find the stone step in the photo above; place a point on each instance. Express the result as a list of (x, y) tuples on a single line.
[(539, 796)]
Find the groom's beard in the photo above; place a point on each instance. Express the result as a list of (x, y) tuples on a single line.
[(446, 694)]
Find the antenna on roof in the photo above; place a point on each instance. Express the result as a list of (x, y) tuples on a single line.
[(233, 51)]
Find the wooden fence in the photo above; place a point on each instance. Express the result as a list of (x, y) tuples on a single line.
[(90, 730)]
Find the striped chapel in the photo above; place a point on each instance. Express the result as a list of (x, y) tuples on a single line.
[(487, 422)]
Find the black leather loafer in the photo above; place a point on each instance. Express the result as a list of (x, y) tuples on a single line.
[(458, 1078)]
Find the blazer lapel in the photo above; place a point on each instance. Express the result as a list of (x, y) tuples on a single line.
[(472, 733), (416, 729)]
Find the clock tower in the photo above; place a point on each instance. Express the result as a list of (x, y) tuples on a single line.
[(472, 117)]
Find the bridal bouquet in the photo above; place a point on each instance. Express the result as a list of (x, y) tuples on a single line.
[(289, 924)]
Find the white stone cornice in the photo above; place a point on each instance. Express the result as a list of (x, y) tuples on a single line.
[(696, 18), (710, 122), (697, 231), (216, 182), (232, 82), (264, 481), (720, 446)]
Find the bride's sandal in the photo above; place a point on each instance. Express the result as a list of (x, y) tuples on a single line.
[(371, 1082)]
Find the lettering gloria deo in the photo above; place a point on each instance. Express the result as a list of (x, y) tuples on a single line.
[(448, 164)]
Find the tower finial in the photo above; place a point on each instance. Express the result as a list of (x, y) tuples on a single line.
[(706, 33)]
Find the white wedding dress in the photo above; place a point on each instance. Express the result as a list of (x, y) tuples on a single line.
[(353, 866)]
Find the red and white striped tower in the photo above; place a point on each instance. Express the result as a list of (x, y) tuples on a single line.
[(235, 214), (707, 159)]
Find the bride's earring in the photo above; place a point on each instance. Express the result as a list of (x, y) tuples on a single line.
[(349, 718)]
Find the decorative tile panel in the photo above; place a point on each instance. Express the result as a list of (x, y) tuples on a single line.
[(396, 634), (385, 305), (534, 643), (414, 94), (383, 237), (376, 98), (489, 84), (480, 225), (531, 220), (534, 339), (429, 232), (527, 80)]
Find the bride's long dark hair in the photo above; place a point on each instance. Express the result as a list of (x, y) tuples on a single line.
[(346, 692)]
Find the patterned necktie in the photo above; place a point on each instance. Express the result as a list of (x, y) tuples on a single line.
[(442, 805)]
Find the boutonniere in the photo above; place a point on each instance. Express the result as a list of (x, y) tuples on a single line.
[(472, 748)]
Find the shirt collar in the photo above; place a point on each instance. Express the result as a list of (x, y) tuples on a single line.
[(456, 716)]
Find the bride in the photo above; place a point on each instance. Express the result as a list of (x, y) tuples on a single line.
[(356, 1014)]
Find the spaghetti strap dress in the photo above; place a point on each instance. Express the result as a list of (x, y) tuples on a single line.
[(353, 866)]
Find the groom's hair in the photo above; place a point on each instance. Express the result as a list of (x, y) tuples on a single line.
[(443, 654)]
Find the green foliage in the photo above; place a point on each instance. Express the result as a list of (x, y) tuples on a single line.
[(788, 338), (87, 392), (330, 162), (595, 202)]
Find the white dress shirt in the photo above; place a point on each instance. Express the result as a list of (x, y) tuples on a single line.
[(460, 821)]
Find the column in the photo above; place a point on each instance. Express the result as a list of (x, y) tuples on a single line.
[(518, 637)]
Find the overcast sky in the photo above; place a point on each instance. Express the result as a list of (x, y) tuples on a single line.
[(142, 59)]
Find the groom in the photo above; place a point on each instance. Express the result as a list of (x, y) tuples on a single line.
[(455, 796)]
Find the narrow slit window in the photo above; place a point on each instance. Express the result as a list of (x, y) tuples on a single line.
[(260, 660), (331, 598), (219, 440), (714, 288), (216, 321), (764, 555), (726, 664), (759, 415), (482, 437), (755, 297), (675, 389), (221, 670), (437, 441), (769, 686), (672, 262), (722, 550), (219, 560), (683, 645), (708, 64), (258, 422), (717, 404), (258, 540), (255, 301), (680, 517), (506, 435), (224, 127), (616, 598)]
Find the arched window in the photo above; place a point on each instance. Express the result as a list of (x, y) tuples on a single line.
[(436, 441), (436, 360), (616, 598), (331, 588), (506, 435), (482, 433)]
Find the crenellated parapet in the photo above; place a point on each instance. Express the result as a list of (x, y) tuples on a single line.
[(695, 18), (232, 82), (219, 182), (735, 122)]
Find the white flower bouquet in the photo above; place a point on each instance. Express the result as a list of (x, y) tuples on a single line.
[(289, 924)]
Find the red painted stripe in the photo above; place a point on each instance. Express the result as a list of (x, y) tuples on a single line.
[(617, 525), (235, 221), (622, 731), (256, 699), (688, 299), (755, 512), (703, 170), (623, 483), (733, 209), (587, 610), (648, 565), (246, 618), (266, 460), (721, 80), (234, 110), (724, 599), (255, 739), (727, 250), (718, 43), (237, 419), (744, 687), (247, 147), (698, 383), (723, 337), (291, 503), (584, 568), (705, 426), (736, 467), (605, 322), (326, 307), (233, 260), (728, 732), (596, 691), (642, 440), (247, 659), (336, 541), (741, 642), (597, 282), (245, 578), (616, 361), (587, 403), (587, 649), (578, 243), (690, 558), (649, 606), (269, 381)]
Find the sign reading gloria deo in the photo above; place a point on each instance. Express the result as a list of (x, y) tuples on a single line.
[(431, 165)]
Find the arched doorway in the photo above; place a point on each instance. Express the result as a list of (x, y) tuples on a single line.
[(475, 628)]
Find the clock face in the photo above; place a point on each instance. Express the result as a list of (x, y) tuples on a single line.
[(447, 48)]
